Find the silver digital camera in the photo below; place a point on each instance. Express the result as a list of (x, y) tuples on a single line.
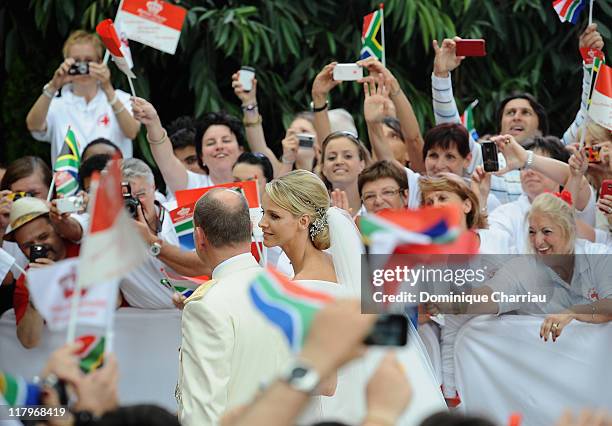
[(69, 204)]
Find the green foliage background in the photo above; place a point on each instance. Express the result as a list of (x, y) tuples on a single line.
[(288, 41)]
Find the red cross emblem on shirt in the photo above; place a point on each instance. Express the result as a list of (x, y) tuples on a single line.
[(104, 120)]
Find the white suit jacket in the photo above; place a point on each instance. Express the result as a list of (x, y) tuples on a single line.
[(228, 349)]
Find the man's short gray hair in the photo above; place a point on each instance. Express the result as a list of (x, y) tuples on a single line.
[(134, 168), (224, 223)]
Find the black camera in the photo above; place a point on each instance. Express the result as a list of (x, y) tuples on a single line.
[(79, 68), (389, 330), (131, 202), (38, 251)]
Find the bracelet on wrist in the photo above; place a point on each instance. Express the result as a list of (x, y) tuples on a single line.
[(113, 101), (285, 161), (157, 142), (319, 109), (249, 107), (252, 123), (396, 92), (119, 110), (48, 93)]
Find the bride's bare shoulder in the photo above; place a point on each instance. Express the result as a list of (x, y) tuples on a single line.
[(319, 269)]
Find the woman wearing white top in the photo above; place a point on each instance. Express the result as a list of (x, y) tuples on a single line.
[(219, 140), (450, 189), (298, 218), (543, 170), (88, 103), (576, 287)]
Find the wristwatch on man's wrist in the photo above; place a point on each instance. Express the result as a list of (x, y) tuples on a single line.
[(155, 249), (301, 377), (529, 161)]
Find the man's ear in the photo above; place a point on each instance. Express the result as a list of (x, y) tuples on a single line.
[(200, 237)]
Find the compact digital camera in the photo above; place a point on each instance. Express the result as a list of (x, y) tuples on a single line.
[(79, 68), (69, 204), (131, 202)]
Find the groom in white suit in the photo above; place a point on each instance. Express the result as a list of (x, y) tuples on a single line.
[(228, 348)]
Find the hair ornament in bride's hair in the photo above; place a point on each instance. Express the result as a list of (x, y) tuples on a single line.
[(319, 224)]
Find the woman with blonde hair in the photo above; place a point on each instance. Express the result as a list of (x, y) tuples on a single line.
[(324, 247), (80, 96), (343, 157), (448, 188)]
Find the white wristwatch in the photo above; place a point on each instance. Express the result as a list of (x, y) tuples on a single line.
[(301, 377), (155, 249), (529, 161)]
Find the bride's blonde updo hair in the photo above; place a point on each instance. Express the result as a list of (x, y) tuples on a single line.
[(301, 192)]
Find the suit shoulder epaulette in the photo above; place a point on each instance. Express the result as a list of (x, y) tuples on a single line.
[(200, 291)]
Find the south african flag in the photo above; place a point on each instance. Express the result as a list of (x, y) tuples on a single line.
[(67, 166), (371, 46)]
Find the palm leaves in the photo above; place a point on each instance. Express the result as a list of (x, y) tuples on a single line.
[(289, 41)]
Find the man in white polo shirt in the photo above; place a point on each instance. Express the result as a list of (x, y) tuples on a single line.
[(81, 96), (142, 287)]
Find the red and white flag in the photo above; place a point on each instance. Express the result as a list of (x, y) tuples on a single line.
[(52, 289), (6, 263), (600, 109), (113, 247), (107, 32), (155, 23)]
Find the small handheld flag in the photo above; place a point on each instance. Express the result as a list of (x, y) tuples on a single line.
[(107, 32), (91, 352), (373, 24), (288, 305), (569, 10), (66, 176), (16, 391), (467, 120), (600, 107)]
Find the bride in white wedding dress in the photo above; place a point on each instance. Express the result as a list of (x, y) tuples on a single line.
[(324, 247)]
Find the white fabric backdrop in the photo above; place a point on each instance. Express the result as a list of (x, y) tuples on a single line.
[(502, 366), (146, 346)]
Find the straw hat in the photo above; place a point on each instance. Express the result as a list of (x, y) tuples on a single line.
[(24, 210)]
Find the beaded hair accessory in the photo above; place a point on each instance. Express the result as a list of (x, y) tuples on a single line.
[(319, 224)]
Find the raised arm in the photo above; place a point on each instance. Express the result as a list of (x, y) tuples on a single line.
[(321, 86), (405, 113), (173, 171), (590, 39), (253, 122), (36, 120), (445, 61), (128, 124), (517, 156)]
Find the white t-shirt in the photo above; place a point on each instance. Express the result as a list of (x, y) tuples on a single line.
[(142, 287), (591, 280), (197, 180), (88, 121), (414, 192), (493, 241)]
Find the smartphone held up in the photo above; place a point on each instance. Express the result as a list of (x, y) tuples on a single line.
[(470, 47), (246, 77), (489, 156), (347, 72)]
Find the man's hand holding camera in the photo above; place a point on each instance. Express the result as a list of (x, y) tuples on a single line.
[(143, 228)]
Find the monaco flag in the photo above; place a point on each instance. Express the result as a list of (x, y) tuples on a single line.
[(52, 289), (154, 23), (113, 246), (107, 32), (600, 109)]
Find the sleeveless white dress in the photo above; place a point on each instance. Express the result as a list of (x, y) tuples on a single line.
[(348, 404)]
